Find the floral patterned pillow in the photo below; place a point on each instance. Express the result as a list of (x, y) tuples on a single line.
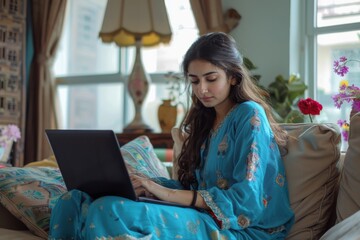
[(30, 193), (140, 158)]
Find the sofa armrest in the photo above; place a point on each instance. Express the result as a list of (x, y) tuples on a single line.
[(348, 229), (17, 234)]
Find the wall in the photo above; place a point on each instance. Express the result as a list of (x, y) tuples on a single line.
[(263, 35)]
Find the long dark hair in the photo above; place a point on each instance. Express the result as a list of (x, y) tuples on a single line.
[(220, 50)]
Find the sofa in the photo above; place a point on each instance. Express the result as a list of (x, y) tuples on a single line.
[(323, 183)]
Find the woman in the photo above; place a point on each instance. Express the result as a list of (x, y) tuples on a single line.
[(230, 168)]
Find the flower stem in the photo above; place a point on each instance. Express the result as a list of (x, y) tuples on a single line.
[(310, 118)]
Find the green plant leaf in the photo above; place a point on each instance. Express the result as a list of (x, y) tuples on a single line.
[(280, 79), (249, 64), (282, 108), (277, 117), (278, 91), (294, 116), (293, 78), (284, 94), (296, 91)]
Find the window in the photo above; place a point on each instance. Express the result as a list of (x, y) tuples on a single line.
[(91, 75), (333, 30)]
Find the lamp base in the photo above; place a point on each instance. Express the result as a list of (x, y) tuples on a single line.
[(135, 127), (138, 86)]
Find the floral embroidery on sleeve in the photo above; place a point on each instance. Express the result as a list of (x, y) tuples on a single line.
[(221, 182), (255, 121), (243, 221), (280, 180), (266, 199), (223, 146), (220, 217), (252, 163)]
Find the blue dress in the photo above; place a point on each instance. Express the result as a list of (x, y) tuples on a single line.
[(241, 178)]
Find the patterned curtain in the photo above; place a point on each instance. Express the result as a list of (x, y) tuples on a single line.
[(209, 16), (48, 18)]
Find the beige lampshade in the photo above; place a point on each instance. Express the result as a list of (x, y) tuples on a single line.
[(126, 20)]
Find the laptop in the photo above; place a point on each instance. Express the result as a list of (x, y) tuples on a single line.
[(91, 161)]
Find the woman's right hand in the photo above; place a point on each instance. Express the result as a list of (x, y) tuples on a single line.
[(140, 190), (148, 187)]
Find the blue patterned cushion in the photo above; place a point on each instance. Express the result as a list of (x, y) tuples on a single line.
[(30, 193)]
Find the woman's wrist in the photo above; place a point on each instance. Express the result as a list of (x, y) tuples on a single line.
[(185, 197), (193, 201)]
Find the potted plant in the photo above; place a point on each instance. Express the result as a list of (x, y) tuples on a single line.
[(168, 110), (283, 95)]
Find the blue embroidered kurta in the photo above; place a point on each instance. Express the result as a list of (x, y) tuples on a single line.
[(241, 178)]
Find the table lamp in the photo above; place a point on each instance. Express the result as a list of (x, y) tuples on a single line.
[(138, 23)]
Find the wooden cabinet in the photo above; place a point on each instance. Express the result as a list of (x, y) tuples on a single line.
[(158, 140)]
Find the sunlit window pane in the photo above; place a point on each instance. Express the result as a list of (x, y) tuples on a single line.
[(331, 47), (335, 12), (81, 51), (165, 58), (91, 106)]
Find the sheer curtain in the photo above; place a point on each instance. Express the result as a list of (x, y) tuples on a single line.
[(47, 18), (209, 16)]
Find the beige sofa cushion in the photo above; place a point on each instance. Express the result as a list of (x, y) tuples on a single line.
[(348, 201), (312, 154)]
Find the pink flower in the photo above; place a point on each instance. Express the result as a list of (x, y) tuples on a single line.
[(344, 126), (343, 59), (349, 94), (340, 67), (356, 105), (9, 133)]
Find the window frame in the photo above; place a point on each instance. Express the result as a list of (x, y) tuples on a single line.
[(125, 56), (311, 31), (156, 78)]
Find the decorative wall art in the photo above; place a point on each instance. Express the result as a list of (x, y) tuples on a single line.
[(12, 70)]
